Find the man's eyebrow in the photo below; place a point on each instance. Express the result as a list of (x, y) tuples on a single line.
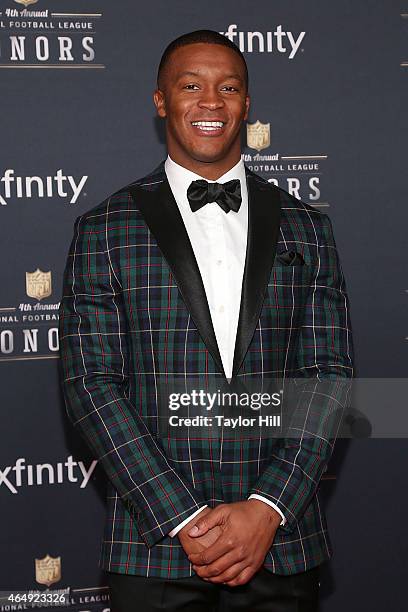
[(234, 75)]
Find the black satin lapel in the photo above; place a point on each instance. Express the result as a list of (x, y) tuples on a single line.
[(161, 213), (264, 210)]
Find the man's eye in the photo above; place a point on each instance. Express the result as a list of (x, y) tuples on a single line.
[(190, 86), (230, 88)]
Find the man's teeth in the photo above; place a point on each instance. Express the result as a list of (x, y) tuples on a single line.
[(208, 125)]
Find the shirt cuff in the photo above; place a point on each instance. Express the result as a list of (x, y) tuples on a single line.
[(174, 531), (274, 506)]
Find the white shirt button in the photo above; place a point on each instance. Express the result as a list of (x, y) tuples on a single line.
[(221, 309)]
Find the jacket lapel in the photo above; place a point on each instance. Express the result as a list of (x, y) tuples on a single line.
[(264, 210), (161, 214)]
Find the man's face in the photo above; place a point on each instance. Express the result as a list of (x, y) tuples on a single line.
[(204, 99)]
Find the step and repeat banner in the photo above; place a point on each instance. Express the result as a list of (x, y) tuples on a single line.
[(328, 84)]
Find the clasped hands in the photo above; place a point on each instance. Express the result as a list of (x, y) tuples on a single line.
[(228, 544)]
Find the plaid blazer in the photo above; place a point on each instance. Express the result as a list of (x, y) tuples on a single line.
[(134, 309)]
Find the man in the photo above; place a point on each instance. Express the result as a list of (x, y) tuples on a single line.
[(204, 270)]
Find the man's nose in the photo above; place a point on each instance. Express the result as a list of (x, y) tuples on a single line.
[(211, 98)]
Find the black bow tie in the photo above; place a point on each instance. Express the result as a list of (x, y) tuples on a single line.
[(227, 195)]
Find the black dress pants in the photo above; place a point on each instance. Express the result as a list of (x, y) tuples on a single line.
[(265, 592)]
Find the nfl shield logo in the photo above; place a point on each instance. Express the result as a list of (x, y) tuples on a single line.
[(258, 135), (38, 284), (48, 570), (26, 2)]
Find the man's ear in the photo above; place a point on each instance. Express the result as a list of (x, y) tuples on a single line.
[(159, 102), (247, 105)]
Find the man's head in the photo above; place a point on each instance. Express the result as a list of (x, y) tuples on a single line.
[(202, 91)]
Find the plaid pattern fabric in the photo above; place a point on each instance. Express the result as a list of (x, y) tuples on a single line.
[(124, 324)]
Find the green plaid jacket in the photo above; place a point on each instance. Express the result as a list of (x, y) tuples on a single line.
[(134, 309)]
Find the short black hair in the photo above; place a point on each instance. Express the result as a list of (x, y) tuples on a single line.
[(200, 36)]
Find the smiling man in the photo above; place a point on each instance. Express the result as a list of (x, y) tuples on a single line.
[(203, 270)]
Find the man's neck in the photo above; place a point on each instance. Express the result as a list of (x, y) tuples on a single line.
[(208, 170)]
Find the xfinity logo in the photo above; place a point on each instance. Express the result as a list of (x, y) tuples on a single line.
[(278, 40), (60, 185), (19, 475)]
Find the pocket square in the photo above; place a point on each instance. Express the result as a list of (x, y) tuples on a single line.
[(290, 258)]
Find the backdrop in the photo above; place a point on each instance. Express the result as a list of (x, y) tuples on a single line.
[(328, 82)]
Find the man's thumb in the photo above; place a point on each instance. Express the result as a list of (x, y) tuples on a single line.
[(201, 526)]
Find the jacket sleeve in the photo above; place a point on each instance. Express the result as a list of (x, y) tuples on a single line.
[(95, 383), (324, 368)]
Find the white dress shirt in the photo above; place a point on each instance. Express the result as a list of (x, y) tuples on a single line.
[(219, 242)]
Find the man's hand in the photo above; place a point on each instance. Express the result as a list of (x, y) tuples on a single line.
[(200, 543), (248, 530)]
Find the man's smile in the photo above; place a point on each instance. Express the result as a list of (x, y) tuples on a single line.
[(209, 128)]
